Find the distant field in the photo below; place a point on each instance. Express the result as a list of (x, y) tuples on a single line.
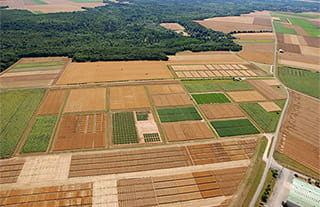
[(32, 65), (39, 137), (17, 107), (307, 15), (123, 128), (210, 98), (266, 120), (301, 80), (178, 114), (234, 127), (249, 41), (81, 1), (281, 29), (39, 2), (234, 85), (200, 86)]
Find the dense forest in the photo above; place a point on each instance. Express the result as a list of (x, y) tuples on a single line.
[(125, 31)]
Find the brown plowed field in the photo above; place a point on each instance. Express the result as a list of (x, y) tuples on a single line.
[(172, 100), (52, 102), (92, 99), (300, 60), (258, 52), (159, 158), (262, 21), (267, 90), (280, 37), (272, 82), (300, 132), (10, 170), (246, 96), (26, 84), (221, 111), (29, 78), (312, 51), (291, 39), (183, 131), (79, 131), (270, 106), (290, 48), (128, 97), (41, 71), (255, 36), (165, 89), (188, 67), (170, 190), (64, 195), (312, 41), (113, 71)]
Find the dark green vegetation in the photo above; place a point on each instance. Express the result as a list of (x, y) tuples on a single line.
[(210, 98), (178, 114), (200, 86), (234, 85), (234, 127), (266, 120), (152, 137), (123, 128), (142, 115), (281, 29), (17, 107), (301, 80), (267, 187), (249, 186), (39, 137), (125, 31)]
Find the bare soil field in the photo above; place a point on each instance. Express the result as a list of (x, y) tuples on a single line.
[(188, 67), (26, 84), (312, 51), (270, 106), (113, 71), (272, 82), (246, 96), (171, 100), (148, 126), (52, 6), (10, 170), (92, 99), (128, 97), (31, 73), (63, 195), (258, 52), (165, 89), (172, 190), (189, 130), (312, 41), (291, 39), (175, 27), (255, 36), (267, 90), (290, 48), (221, 111), (300, 133), (29, 78), (80, 131), (52, 102), (300, 61)]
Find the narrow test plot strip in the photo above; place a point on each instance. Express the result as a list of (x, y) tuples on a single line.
[(10, 170), (234, 127)]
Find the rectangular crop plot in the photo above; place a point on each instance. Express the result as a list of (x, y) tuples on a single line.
[(92, 99), (200, 86), (128, 97), (171, 100), (246, 96), (270, 106), (178, 114), (52, 102), (234, 127), (39, 137), (221, 111), (151, 137), (165, 89), (210, 98), (182, 131), (123, 128), (234, 85), (80, 131)]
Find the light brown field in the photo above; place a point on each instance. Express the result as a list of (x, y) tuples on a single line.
[(113, 71), (312, 51), (128, 97), (258, 52), (92, 99), (171, 100), (299, 136), (255, 36), (270, 106), (52, 6), (272, 82), (175, 27), (31, 73), (246, 96), (188, 67), (291, 39), (43, 60), (26, 84), (52, 102), (10, 170), (300, 61), (267, 90), (165, 89), (221, 111), (190, 130)]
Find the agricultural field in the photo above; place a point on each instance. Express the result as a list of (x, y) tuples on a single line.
[(178, 114), (40, 134), (234, 127), (200, 86), (171, 100), (234, 85), (210, 98), (246, 96), (266, 120), (123, 128), (165, 89), (267, 90), (17, 108), (53, 102), (221, 111)]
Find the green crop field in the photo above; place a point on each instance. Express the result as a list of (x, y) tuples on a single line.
[(17, 107), (301, 80), (234, 85), (178, 114), (39, 2), (266, 120), (210, 98), (123, 128), (200, 86), (152, 137), (306, 15), (142, 115), (281, 29), (234, 127), (39, 137)]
